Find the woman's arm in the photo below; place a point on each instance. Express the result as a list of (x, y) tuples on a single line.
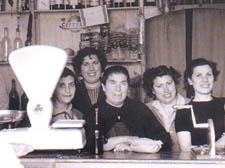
[(184, 138), (146, 145), (132, 143), (114, 141)]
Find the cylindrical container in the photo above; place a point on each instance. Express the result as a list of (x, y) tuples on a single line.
[(13, 97), (98, 136), (17, 43), (94, 3), (118, 3), (24, 101), (108, 3), (6, 45), (2, 5)]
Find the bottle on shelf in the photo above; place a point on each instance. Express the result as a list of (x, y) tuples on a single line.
[(58, 4), (150, 2), (94, 3), (25, 4), (24, 101), (13, 97), (2, 5), (67, 4), (6, 45), (73, 3), (108, 3), (131, 3), (79, 4), (17, 43), (118, 3), (85, 3), (98, 136)]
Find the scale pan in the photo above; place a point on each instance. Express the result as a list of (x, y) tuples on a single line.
[(38, 69)]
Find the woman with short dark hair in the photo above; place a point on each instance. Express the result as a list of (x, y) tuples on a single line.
[(160, 84), (89, 63), (200, 76)]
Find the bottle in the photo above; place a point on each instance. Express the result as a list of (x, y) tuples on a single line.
[(13, 97), (85, 3), (58, 4), (67, 4), (26, 5), (24, 101), (25, 122), (6, 45), (149, 2), (93, 3), (17, 43), (118, 3), (108, 3), (2, 5), (98, 136)]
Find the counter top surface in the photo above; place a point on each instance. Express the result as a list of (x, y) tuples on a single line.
[(162, 157)]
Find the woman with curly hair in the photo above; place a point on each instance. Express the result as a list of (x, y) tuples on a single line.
[(160, 84), (199, 77)]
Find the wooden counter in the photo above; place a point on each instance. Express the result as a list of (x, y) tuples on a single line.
[(119, 160)]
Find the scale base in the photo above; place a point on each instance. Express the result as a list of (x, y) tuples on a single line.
[(47, 139), (204, 155)]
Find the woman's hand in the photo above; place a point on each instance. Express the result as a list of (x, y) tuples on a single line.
[(123, 147), (132, 143), (145, 145)]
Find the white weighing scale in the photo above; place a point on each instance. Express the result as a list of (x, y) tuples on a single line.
[(38, 69)]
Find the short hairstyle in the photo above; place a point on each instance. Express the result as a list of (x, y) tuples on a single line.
[(87, 51), (117, 69), (151, 74), (67, 72), (190, 68)]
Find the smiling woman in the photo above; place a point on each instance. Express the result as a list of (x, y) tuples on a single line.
[(200, 76), (89, 63), (161, 84)]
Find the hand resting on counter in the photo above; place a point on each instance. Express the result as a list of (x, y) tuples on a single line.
[(132, 143)]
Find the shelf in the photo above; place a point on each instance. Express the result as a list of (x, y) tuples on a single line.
[(173, 8), (14, 12), (211, 6), (56, 11), (4, 63), (76, 10)]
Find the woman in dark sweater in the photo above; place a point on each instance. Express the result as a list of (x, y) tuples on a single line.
[(89, 63), (129, 125), (200, 76)]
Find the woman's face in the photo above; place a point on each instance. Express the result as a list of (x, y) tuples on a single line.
[(202, 80), (116, 89), (91, 69), (164, 89), (65, 90)]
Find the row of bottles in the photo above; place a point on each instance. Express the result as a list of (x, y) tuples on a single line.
[(122, 45), (6, 45), (78, 4), (14, 103)]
